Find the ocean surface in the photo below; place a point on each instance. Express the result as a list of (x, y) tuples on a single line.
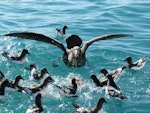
[(88, 19)]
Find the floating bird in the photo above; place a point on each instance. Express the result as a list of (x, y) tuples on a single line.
[(16, 58), (115, 73), (2, 88), (41, 75), (139, 64), (69, 90), (96, 109), (75, 53), (113, 90), (98, 83), (37, 107), (38, 75), (61, 32), (14, 85), (34, 89)]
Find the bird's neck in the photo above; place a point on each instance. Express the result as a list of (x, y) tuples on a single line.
[(44, 84), (2, 90), (112, 83), (75, 86), (38, 103), (96, 81), (16, 82), (64, 31), (130, 62), (22, 55), (96, 108)]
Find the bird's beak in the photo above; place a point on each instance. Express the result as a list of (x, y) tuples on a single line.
[(52, 80)]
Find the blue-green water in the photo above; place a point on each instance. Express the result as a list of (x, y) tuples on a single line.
[(88, 19)]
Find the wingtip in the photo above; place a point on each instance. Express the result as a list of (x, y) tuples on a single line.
[(129, 35), (126, 35), (8, 34)]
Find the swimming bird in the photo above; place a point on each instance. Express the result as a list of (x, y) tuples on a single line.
[(14, 85), (137, 65), (16, 58), (2, 88), (115, 73), (69, 90), (61, 32), (95, 109), (34, 89), (112, 89), (97, 82), (37, 107), (38, 75), (75, 53)]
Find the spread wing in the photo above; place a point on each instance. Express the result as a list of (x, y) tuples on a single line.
[(105, 37), (38, 37)]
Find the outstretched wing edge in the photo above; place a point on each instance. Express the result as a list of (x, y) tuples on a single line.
[(37, 37), (104, 37)]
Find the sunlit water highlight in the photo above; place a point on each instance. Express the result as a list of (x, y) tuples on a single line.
[(88, 19)]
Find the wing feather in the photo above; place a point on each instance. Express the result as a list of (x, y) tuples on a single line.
[(105, 37), (38, 37)]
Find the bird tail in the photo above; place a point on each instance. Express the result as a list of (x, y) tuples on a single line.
[(121, 97), (75, 105)]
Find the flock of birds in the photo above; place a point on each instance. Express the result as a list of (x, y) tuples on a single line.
[(74, 58)]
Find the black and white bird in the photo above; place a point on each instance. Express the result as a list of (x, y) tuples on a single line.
[(112, 89), (115, 73), (99, 83), (95, 109), (61, 32), (16, 58), (2, 88), (38, 75), (69, 90), (137, 65), (37, 107), (34, 89), (74, 55), (14, 85)]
